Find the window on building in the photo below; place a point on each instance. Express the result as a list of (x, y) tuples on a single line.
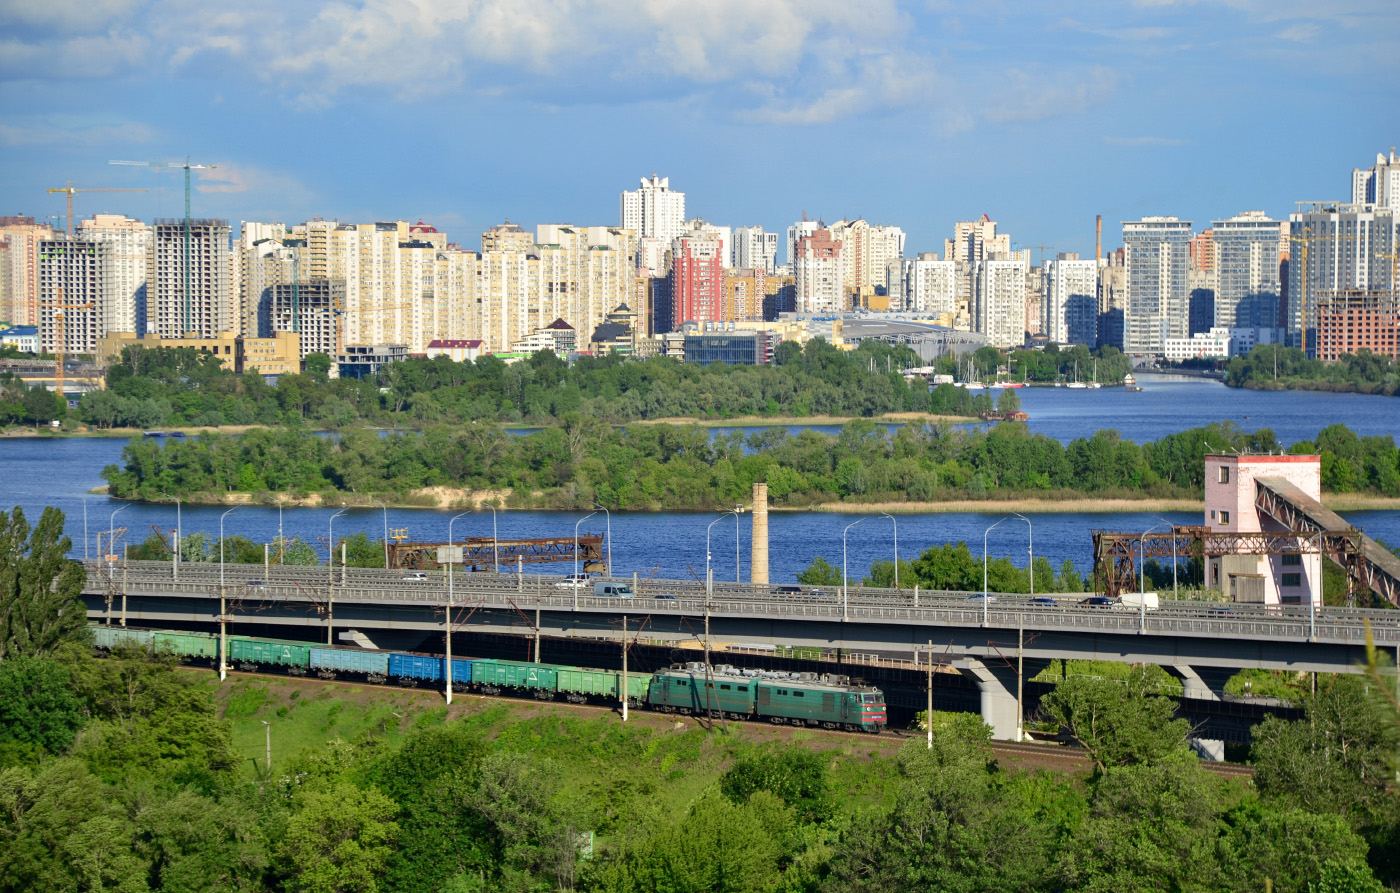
[(1224, 517), (799, 694), (1224, 474), (1292, 560), (1292, 579)]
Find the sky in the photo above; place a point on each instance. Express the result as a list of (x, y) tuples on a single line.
[(465, 113)]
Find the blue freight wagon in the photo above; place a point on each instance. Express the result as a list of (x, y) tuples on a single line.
[(108, 637), (327, 662), (410, 669)]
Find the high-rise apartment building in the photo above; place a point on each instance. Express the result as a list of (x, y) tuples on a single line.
[(1157, 256), (1203, 251), (199, 300), (508, 286), (820, 270), (725, 235), (1380, 185), (311, 310), (1336, 248), (975, 240), (77, 284), (19, 291), (754, 249), (796, 233), (129, 257), (744, 294), (1246, 270), (654, 211), (999, 303), (696, 283), (866, 251), (586, 272), (934, 286), (1071, 307)]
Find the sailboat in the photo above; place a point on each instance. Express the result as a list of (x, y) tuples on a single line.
[(1076, 383), (1094, 382)]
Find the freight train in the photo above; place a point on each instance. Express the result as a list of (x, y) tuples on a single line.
[(804, 699)]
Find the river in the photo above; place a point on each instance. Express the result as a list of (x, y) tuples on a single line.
[(35, 472)]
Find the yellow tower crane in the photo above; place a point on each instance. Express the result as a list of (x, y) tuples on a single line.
[(1305, 240), (70, 190)]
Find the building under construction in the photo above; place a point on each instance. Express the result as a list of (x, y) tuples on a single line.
[(1358, 319)]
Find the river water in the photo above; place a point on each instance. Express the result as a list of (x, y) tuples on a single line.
[(35, 472)]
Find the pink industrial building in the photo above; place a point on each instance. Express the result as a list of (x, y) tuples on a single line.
[(1289, 579)]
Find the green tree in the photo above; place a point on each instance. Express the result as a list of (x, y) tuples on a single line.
[(794, 775), (41, 606), (1009, 401), (1335, 759), (1119, 723), (38, 710), (195, 843), (338, 839), (820, 573), (361, 551), (317, 366)]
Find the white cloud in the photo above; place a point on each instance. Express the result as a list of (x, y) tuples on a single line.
[(69, 16), (235, 178), (60, 133), (1300, 33), (1036, 95)]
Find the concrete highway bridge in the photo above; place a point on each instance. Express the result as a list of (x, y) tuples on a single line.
[(997, 645)]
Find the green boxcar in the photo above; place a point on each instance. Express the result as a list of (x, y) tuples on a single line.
[(689, 691), (188, 645), (249, 654), (579, 683), (493, 675), (108, 637)]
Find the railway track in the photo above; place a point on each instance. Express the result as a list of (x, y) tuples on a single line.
[(1042, 754)]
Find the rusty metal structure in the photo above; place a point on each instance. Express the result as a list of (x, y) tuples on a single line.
[(480, 552), (1309, 528)]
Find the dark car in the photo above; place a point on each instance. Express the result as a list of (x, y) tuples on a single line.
[(1043, 600), (787, 589), (1219, 611), (1097, 601)]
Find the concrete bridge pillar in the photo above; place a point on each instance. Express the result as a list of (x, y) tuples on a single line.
[(1204, 684), (997, 683)]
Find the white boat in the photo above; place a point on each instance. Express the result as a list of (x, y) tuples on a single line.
[(1076, 383), (1094, 382)]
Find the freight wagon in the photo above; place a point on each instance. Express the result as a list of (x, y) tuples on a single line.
[(109, 637), (410, 669), (494, 676), (328, 663), (250, 655), (578, 684)]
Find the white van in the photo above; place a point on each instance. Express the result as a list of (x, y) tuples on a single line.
[(614, 590)]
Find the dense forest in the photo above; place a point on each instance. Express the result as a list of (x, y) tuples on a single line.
[(125, 773), (584, 462), (156, 387), (1270, 367)]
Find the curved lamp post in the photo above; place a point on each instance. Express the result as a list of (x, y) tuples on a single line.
[(1030, 533), (984, 569), (175, 573), (845, 599), (896, 547), (1171, 529), (223, 614)]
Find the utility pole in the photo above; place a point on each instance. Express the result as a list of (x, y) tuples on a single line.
[(624, 668), (1020, 675), (928, 717)]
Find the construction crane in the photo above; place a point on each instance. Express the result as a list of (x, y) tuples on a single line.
[(187, 168), (60, 337), (1306, 240), (70, 190)]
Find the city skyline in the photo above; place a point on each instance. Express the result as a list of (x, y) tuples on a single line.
[(910, 115)]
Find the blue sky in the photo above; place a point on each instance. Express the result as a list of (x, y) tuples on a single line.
[(467, 112)]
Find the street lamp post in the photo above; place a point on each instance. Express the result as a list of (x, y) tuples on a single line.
[(85, 529), (1315, 591), (447, 636), (112, 526), (223, 612), (1030, 533), (1142, 579), (386, 534), (576, 526), (330, 576), (495, 549), (896, 547), (845, 599), (175, 574), (1171, 528), (609, 515), (709, 574), (984, 569)]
